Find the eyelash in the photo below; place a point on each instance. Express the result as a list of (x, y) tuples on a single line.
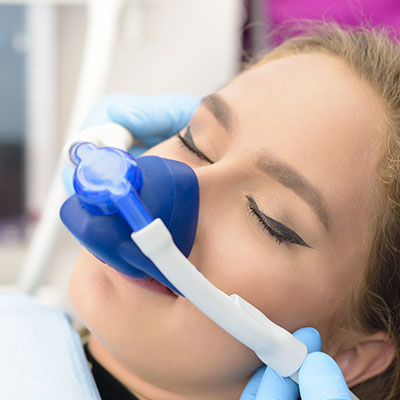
[(274, 228), (275, 234), (188, 146), (265, 222)]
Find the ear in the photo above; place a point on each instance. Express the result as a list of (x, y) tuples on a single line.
[(368, 357)]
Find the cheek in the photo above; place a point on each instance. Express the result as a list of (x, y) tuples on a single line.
[(93, 293), (292, 286), (154, 337), (87, 279), (104, 300)]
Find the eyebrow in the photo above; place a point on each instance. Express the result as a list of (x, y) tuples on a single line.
[(292, 179), (220, 109), (277, 169)]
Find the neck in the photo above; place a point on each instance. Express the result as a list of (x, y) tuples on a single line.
[(145, 390)]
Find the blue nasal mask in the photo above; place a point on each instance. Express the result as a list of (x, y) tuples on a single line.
[(139, 216), (112, 187)]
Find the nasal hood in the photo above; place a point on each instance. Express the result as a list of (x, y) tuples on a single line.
[(170, 191)]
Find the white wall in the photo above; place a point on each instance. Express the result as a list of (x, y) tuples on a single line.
[(183, 45), (187, 46)]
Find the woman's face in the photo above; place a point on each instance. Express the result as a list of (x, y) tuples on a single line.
[(286, 158)]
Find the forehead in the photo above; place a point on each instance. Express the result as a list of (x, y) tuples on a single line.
[(317, 89), (316, 114)]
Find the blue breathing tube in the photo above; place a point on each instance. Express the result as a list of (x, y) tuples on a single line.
[(116, 194)]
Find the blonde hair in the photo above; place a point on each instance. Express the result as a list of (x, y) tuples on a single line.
[(375, 57)]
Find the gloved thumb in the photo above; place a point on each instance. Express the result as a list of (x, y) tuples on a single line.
[(151, 118), (327, 384)]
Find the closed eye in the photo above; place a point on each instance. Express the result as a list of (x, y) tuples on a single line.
[(188, 143), (280, 232)]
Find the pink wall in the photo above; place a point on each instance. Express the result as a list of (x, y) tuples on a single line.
[(349, 12)]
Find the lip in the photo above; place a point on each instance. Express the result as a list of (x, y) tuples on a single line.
[(150, 284)]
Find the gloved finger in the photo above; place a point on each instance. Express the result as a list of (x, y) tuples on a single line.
[(250, 391), (273, 386), (162, 115), (267, 384), (310, 337), (98, 114), (320, 378)]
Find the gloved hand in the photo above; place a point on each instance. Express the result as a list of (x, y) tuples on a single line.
[(320, 377), (150, 118)]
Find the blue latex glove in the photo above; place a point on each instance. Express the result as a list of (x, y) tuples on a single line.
[(320, 377), (150, 118)]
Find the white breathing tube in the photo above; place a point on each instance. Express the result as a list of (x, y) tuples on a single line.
[(272, 344), (275, 346)]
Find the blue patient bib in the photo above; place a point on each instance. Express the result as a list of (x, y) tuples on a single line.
[(42, 357)]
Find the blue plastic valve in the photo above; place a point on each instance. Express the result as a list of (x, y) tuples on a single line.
[(107, 180)]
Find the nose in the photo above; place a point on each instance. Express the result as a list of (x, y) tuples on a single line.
[(212, 175), (217, 183), (218, 187)]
